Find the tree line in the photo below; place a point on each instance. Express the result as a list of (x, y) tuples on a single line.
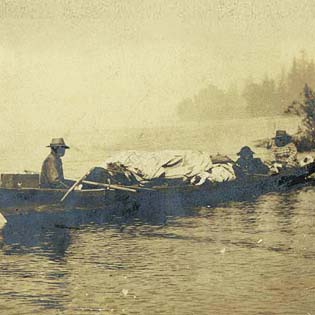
[(268, 97)]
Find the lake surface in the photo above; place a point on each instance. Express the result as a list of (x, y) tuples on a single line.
[(242, 258), (245, 258)]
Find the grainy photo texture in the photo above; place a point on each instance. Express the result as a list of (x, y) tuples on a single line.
[(157, 157)]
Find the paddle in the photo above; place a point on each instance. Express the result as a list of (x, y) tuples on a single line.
[(118, 187), (78, 182), (113, 186)]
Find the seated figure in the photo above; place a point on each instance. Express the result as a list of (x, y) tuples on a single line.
[(52, 171), (284, 150), (246, 164)]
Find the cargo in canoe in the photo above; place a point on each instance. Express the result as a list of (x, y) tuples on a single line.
[(173, 199)]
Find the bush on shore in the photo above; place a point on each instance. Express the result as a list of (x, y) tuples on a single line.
[(305, 108)]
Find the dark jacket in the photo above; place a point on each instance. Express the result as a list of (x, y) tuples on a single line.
[(52, 172), (250, 167)]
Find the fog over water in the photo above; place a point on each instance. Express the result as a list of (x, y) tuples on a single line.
[(77, 65), (108, 76), (92, 148)]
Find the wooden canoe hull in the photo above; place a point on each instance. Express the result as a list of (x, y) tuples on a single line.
[(243, 189), (12, 197), (31, 200), (172, 199)]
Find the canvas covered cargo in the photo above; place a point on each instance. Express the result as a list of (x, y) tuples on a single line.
[(194, 167)]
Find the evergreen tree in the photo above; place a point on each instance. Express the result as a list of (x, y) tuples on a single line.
[(305, 137), (272, 97)]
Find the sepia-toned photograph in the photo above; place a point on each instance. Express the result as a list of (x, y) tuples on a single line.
[(157, 157)]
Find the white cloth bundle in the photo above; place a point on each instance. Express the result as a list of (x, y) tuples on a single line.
[(195, 165)]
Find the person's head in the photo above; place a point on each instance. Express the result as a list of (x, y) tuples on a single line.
[(58, 146), (60, 151), (282, 138), (246, 153)]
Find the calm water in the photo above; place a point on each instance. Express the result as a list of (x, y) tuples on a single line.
[(255, 258), (243, 258)]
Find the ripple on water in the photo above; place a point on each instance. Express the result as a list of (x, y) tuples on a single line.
[(244, 258)]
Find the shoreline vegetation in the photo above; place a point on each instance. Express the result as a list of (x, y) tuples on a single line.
[(266, 97), (303, 107), (288, 94)]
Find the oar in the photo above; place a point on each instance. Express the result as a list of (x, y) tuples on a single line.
[(118, 187), (124, 188), (78, 182)]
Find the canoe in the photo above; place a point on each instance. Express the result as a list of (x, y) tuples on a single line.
[(247, 188), (172, 198), (24, 200), (28, 210)]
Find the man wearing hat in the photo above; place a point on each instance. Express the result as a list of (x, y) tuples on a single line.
[(52, 172), (284, 150), (246, 164)]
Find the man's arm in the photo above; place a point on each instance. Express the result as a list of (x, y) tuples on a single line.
[(53, 175), (292, 154)]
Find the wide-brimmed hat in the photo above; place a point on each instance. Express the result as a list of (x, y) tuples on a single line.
[(245, 150), (57, 142), (280, 134)]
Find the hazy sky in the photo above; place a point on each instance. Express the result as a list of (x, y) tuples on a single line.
[(78, 64)]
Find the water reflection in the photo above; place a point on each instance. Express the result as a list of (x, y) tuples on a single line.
[(242, 258)]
